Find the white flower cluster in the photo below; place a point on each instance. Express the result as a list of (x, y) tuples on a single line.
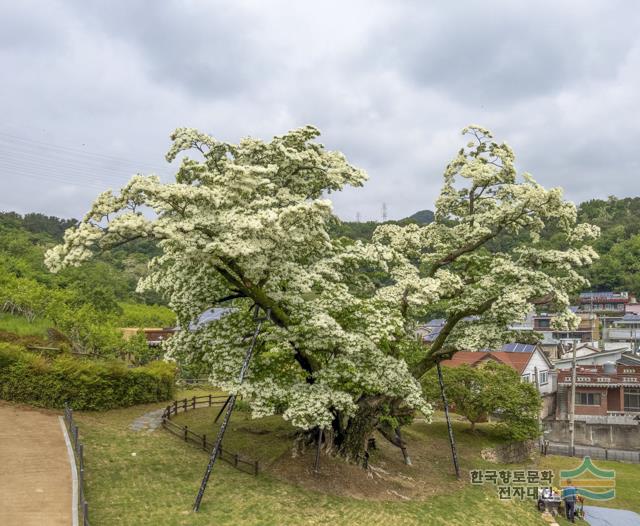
[(250, 221)]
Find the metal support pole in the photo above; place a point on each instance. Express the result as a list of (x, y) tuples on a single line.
[(222, 409), (572, 414), (452, 441), (227, 416)]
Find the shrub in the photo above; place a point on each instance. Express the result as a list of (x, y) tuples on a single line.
[(85, 384)]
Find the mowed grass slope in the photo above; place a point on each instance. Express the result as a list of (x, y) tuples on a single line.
[(157, 486)]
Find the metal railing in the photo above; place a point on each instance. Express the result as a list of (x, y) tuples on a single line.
[(78, 453), (601, 453)]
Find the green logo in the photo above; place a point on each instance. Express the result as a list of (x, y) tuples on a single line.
[(590, 481)]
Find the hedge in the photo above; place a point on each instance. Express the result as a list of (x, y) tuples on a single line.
[(85, 384)]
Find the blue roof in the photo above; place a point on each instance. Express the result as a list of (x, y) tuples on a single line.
[(432, 335), (208, 316)]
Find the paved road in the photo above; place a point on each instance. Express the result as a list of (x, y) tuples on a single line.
[(35, 476), (596, 516)]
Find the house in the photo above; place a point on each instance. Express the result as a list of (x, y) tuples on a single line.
[(154, 335), (528, 361), (608, 390), (609, 303), (624, 330), (588, 330), (592, 358)]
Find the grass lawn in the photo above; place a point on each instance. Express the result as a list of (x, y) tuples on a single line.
[(157, 486), (19, 326)]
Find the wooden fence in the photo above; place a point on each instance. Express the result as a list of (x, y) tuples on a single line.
[(187, 404), (78, 452)]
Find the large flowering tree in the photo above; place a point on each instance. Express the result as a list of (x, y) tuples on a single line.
[(247, 224)]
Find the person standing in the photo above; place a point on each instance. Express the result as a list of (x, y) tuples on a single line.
[(569, 494)]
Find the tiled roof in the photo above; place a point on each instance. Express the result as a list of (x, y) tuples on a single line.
[(516, 360)]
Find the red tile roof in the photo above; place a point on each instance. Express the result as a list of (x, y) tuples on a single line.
[(515, 360)]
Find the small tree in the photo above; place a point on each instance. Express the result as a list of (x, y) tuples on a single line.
[(490, 389)]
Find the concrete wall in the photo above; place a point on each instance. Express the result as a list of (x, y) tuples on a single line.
[(603, 435), (548, 405)]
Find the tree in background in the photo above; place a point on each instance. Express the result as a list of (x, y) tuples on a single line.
[(489, 389), (247, 224)]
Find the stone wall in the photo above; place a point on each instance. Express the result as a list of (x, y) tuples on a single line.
[(510, 453)]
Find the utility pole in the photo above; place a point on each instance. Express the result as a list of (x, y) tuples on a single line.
[(572, 414)]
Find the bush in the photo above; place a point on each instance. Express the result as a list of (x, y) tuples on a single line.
[(85, 384)]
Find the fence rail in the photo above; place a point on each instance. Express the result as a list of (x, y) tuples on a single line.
[(78, 453), (237, 461), (600, 453)]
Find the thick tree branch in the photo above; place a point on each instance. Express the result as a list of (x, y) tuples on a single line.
[(436, 352)]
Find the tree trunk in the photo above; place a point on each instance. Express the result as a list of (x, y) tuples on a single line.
[(351, 442)]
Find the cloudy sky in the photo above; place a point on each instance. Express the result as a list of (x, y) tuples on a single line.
[(91, 90)]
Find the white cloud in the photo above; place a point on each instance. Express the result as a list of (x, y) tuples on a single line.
[(389, 83)]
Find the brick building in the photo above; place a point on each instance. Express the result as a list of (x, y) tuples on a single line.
[(601, 390)]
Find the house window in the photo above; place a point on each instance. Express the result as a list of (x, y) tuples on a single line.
[(543, 377), (526, 378), (587, 398), (632, 400), (544, 324)]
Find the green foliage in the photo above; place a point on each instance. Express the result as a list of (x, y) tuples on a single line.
[(491, 389), (86, 385), (141, 315), (618, 245), (87, 304)]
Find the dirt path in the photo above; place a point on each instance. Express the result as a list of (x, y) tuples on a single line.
[(35, 476)]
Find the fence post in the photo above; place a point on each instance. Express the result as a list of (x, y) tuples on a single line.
[(606, 454), (184, 404), (81, 456), (185, 433), (235, 460), (75, 437), (209, 399), (85, 514), (175, 407), (204, 442), (194, 402), (255, 468)]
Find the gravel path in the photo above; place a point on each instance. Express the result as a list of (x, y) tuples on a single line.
[(35, 476), (149, 421)]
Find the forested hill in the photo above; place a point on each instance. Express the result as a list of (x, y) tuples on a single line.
[(363, 230), (619, 244), (83, 306)]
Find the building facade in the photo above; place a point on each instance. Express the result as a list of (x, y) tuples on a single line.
[(601, 390)]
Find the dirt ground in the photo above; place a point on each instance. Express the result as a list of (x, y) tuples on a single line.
[(388, 478), (35, 477)]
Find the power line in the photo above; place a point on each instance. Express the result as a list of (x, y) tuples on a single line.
[(70, 149)]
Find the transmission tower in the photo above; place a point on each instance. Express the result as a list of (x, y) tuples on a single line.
[(384, 212)]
